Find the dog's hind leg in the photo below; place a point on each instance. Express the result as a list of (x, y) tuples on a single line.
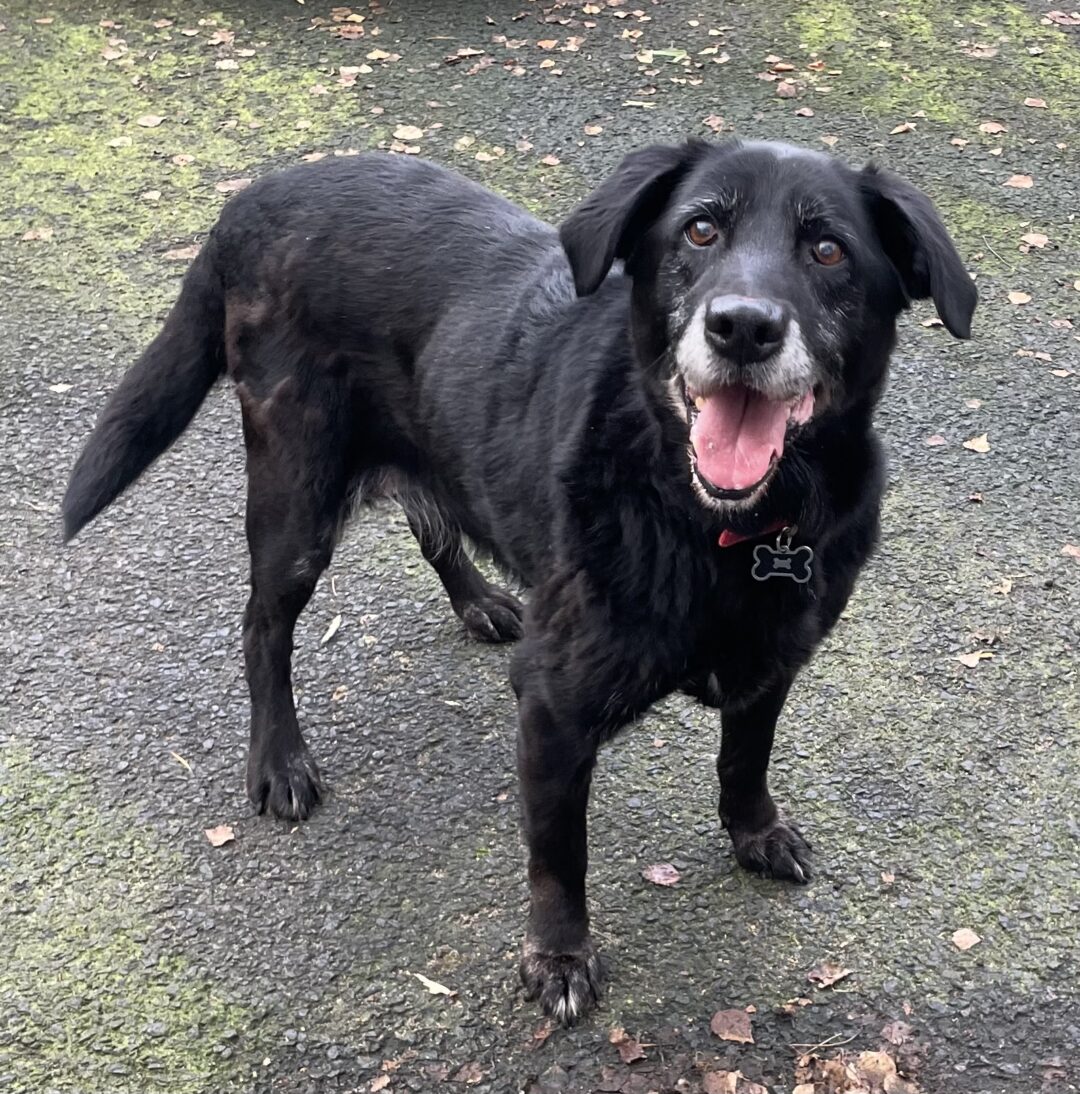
[(298, 482), (488, 612)]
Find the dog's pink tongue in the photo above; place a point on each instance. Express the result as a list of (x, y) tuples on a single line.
[(736, 435)]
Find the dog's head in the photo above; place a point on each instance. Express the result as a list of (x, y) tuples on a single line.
[(767, 282)]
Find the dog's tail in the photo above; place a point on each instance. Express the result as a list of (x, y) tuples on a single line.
[(157, 397)]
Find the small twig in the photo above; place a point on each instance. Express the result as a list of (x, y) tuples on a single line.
[(829, 1042), (1000, 258)]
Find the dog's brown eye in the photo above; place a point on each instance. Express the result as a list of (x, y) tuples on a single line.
[(828, 252), (701, 232)]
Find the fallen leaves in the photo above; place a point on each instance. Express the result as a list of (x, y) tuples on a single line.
[(732, 1025), (992, 127), (1004, 588), (41, 235), (1019, 182), (1035, 239), (550, 161), (852, 1074), (1018, 298), (182, 254), (232, 186), (980, 443), (220, 835), (971, 660), (935, 440), (149, 121), (827, 973), (1063, 19), (662, 873), (731, 1082), (786, 89), (433, 986), (903, 127), (630, 1049), (1071, 551), (331, 630), (965, 938), (713, 122), (1037, 104), (408, 133)]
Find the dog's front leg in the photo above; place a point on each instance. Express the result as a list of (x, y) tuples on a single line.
[(560, 966), (764, 841)]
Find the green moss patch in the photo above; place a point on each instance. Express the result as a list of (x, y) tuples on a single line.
[(90, 1002)]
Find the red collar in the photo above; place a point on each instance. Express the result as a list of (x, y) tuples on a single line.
[(728, 538)]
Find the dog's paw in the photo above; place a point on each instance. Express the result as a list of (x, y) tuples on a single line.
[(493, 616), (778, 850), (288, 785), (567, 984)]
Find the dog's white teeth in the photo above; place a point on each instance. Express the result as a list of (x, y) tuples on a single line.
[(699, 402)]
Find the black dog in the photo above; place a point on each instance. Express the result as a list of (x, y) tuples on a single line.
[(642, 416)]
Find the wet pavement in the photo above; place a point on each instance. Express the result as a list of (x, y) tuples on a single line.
[(136, 957)]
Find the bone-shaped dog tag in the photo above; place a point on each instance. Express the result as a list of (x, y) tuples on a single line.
[(782, 561)]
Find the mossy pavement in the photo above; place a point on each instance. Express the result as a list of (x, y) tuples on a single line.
[(137, 958)]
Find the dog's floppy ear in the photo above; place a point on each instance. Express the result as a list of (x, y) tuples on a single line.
[(918, 245), (610, 222)]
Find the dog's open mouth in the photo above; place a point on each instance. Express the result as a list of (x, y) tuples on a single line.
[(738, 436)]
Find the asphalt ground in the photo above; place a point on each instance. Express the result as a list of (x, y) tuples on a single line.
[(136, 957)]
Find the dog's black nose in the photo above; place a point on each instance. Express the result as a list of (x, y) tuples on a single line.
[(745, 329)]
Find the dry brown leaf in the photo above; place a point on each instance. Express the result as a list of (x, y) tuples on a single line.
[(1016, 297), (331, 630), (593, 130), (992, 127), (829, 139), (547, 43), (227, 64), (827, 973), (182, 254), (434, 986), (232, 186), (978, 444), (222, 834), (965, 938), (731, 1082), (182, 159), (803, 1088), (551, 161), (1035, 239), (1019, 182), (468, 1073), (714, 122), (149, 121), (971, 660), (903, 127), (1038, 104), (42, 235), (380, 1082), (935, 440), (1004, 588), (663, 873), (786, 89), (408, 133), (804, 112), (629, 1048), (732, 1025), (1071, 550)]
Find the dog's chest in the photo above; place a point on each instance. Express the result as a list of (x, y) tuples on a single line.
[(750, 629)]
